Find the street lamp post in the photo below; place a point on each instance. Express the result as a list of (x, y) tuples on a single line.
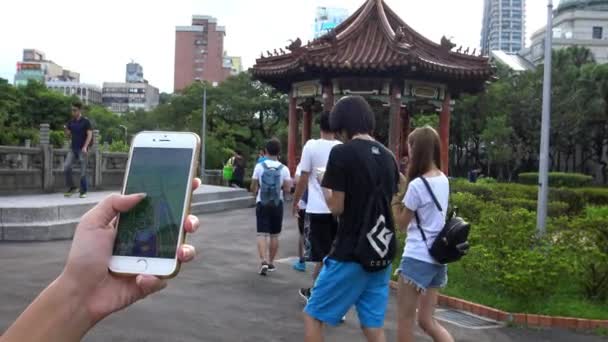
[(543, 167), (203, 131), (126, 136)]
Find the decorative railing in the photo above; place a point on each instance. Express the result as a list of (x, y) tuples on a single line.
[(40, 168)]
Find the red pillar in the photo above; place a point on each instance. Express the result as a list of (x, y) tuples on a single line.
[(394, 136), (405, 130), (328, 96), (444, 133), (292, 134), (306, 124)]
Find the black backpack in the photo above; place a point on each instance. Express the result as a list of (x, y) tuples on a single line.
[(376, 244), (451, 243)]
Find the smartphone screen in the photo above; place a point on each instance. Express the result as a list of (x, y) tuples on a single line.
[(152, 228)]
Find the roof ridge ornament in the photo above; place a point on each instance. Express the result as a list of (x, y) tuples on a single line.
[(447, 44), (294, 45)]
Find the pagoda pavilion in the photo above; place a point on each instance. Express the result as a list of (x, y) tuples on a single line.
[(375, 54)]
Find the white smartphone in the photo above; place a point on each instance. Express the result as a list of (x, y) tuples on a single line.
[(162, 165)]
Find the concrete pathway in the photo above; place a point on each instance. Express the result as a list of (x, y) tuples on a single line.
[(218, 297)]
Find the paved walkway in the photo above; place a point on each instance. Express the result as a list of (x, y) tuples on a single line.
[(218, 297)]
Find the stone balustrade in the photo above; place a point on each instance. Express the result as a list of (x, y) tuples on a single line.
[(27, 169)]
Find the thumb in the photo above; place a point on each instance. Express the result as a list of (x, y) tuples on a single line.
[(104, 212)]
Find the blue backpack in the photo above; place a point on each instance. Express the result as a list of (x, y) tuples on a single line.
[(270, 185)]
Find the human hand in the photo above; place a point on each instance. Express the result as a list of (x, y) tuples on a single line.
[(85, 149), (86, 272), (295, 211)]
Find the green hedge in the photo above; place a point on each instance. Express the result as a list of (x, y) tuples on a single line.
[(595, 196), (558, 179)]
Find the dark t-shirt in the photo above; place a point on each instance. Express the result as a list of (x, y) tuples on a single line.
[(348, 170), (239, 168), (79, 129)]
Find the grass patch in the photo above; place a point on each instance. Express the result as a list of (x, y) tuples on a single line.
[(565, 302)]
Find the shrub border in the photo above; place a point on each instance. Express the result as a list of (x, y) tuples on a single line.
[(530, 320)]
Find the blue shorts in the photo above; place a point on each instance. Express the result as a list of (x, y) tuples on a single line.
[(341, 285), (422, 274)]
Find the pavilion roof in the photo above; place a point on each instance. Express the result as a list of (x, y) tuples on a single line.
[(373, 41)]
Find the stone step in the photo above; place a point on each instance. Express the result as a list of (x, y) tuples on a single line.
[(59, 222)]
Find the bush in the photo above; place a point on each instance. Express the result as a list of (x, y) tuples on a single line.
[(507, 257), (558, 179), (554, 209), (587, 239), (57, 138), (118, 146), (487, 180), (594, 196)]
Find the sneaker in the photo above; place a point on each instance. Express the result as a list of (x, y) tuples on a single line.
[(299, 266), (70, 192), (271, 268), (83, 195), (343, 319), (264, 269), (305, 294)]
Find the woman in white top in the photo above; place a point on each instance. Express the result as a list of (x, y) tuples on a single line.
[(421, 276)]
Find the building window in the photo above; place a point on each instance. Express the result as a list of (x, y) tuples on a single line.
[(598, 32)]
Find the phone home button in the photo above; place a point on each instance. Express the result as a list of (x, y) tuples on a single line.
[(142, 265)]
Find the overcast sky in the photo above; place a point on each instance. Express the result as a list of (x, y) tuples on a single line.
[(97, 38)]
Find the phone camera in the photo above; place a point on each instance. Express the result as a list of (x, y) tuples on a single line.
[(153, 139)]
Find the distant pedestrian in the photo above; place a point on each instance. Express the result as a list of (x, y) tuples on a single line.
[(300, 264), (360, 180), (421, 276), (474, 174), (270, 181), (321, 225), (238, 170), (80, 130)]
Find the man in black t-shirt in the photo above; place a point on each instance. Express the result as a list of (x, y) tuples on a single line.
[(347, 185), (79, 128)]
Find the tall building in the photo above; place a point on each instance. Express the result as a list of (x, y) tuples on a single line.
[(504, 26), (135, 73), (35, 66), (87, 93), (575, 23), (233, 64), (121, 97), (199, 52), (132, 95), (327, 18)]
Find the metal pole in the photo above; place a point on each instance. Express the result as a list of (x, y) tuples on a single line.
[(204, 132), (543, 167)]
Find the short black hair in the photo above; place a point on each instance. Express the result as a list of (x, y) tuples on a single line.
[(324, 122), (238, 152), (77, 104), (353, 115), (273, 147)]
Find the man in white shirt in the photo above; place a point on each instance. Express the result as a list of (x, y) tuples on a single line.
[(323, 225), (270, 181)]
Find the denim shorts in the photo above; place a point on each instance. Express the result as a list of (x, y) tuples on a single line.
[(423, 275), (342, 284)]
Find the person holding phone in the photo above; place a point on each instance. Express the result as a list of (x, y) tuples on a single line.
[(80, 130), (86, 291)]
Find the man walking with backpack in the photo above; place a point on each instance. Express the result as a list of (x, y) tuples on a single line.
[(358, 185), (320, 224), (270, 181)]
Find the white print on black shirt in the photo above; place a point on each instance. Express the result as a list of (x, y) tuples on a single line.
[(383, 236)]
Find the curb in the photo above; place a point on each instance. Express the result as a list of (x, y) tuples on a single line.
[(529, 320)]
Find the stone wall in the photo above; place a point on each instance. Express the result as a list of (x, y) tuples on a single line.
[(27, 169)]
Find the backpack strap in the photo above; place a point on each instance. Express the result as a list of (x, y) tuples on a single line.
[(419, 227), (428, 187), (264, 165)]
